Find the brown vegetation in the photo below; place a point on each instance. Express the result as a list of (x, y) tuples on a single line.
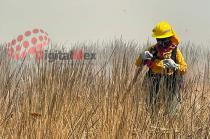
[(85, 100)]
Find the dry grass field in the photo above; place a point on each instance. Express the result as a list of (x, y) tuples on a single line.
[(84, 100)]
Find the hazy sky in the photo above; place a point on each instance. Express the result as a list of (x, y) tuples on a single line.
[(80, 20)]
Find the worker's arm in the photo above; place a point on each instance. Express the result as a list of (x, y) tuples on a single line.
[(181, 62), (144, 55), (139, 61)]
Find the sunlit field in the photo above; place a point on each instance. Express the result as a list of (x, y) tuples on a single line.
[(89, 99)]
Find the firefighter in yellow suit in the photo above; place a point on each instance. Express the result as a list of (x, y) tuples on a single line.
[(166, 68)]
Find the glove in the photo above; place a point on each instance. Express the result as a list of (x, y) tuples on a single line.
[(170, 64), (147, 55)]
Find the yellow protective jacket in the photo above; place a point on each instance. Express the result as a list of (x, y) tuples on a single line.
[(157, 66)]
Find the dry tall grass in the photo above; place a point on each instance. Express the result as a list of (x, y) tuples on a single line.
[(85, 100)]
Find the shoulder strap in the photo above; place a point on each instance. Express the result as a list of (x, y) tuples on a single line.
[(173, 54)]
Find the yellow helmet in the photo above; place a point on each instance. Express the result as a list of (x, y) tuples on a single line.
[(162, 30)]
